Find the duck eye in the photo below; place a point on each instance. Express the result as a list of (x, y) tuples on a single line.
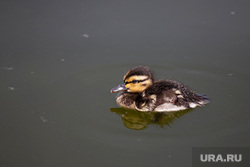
[(133, 81)]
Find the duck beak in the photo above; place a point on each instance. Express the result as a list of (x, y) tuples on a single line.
[(118, 88)]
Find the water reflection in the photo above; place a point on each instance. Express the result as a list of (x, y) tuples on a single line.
[(137, 120)]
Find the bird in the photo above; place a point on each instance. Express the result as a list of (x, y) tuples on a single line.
[(139, 91)]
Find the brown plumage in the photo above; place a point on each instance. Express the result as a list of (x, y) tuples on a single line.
[(140, 92)]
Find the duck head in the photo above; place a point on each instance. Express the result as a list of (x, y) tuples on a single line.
[(135, 80)]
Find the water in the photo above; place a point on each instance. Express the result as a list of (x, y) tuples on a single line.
[(59, 61)]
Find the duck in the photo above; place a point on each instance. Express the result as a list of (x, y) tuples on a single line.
[(139, 91)]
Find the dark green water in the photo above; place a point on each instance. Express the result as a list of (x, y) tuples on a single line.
[(59, 60)]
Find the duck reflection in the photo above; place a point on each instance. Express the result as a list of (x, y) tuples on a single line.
[(137, 120)]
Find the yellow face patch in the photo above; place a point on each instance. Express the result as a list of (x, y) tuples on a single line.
[(137, 83), (136, 77)]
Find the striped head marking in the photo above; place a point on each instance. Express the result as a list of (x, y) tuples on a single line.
[(137, 83), (136, 80)]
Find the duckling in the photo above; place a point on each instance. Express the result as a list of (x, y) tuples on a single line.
[(140, 92)]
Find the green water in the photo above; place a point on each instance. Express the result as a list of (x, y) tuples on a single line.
[(59, 61)]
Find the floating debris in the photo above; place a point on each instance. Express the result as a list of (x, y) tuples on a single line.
[(62, 59), (230, 74), (232, 12), (12, 88), (8, 68), (85, 35), (43, 119)]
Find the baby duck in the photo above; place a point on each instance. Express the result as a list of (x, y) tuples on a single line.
[(139, 91)]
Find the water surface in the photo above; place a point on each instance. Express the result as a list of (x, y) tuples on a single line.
[(59, 61)]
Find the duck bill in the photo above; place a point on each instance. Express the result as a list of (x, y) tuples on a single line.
[(119, 88)]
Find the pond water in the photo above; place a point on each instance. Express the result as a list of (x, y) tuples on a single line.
[(59, 60)]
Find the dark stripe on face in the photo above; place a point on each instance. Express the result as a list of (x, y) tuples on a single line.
[(136, 81)]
